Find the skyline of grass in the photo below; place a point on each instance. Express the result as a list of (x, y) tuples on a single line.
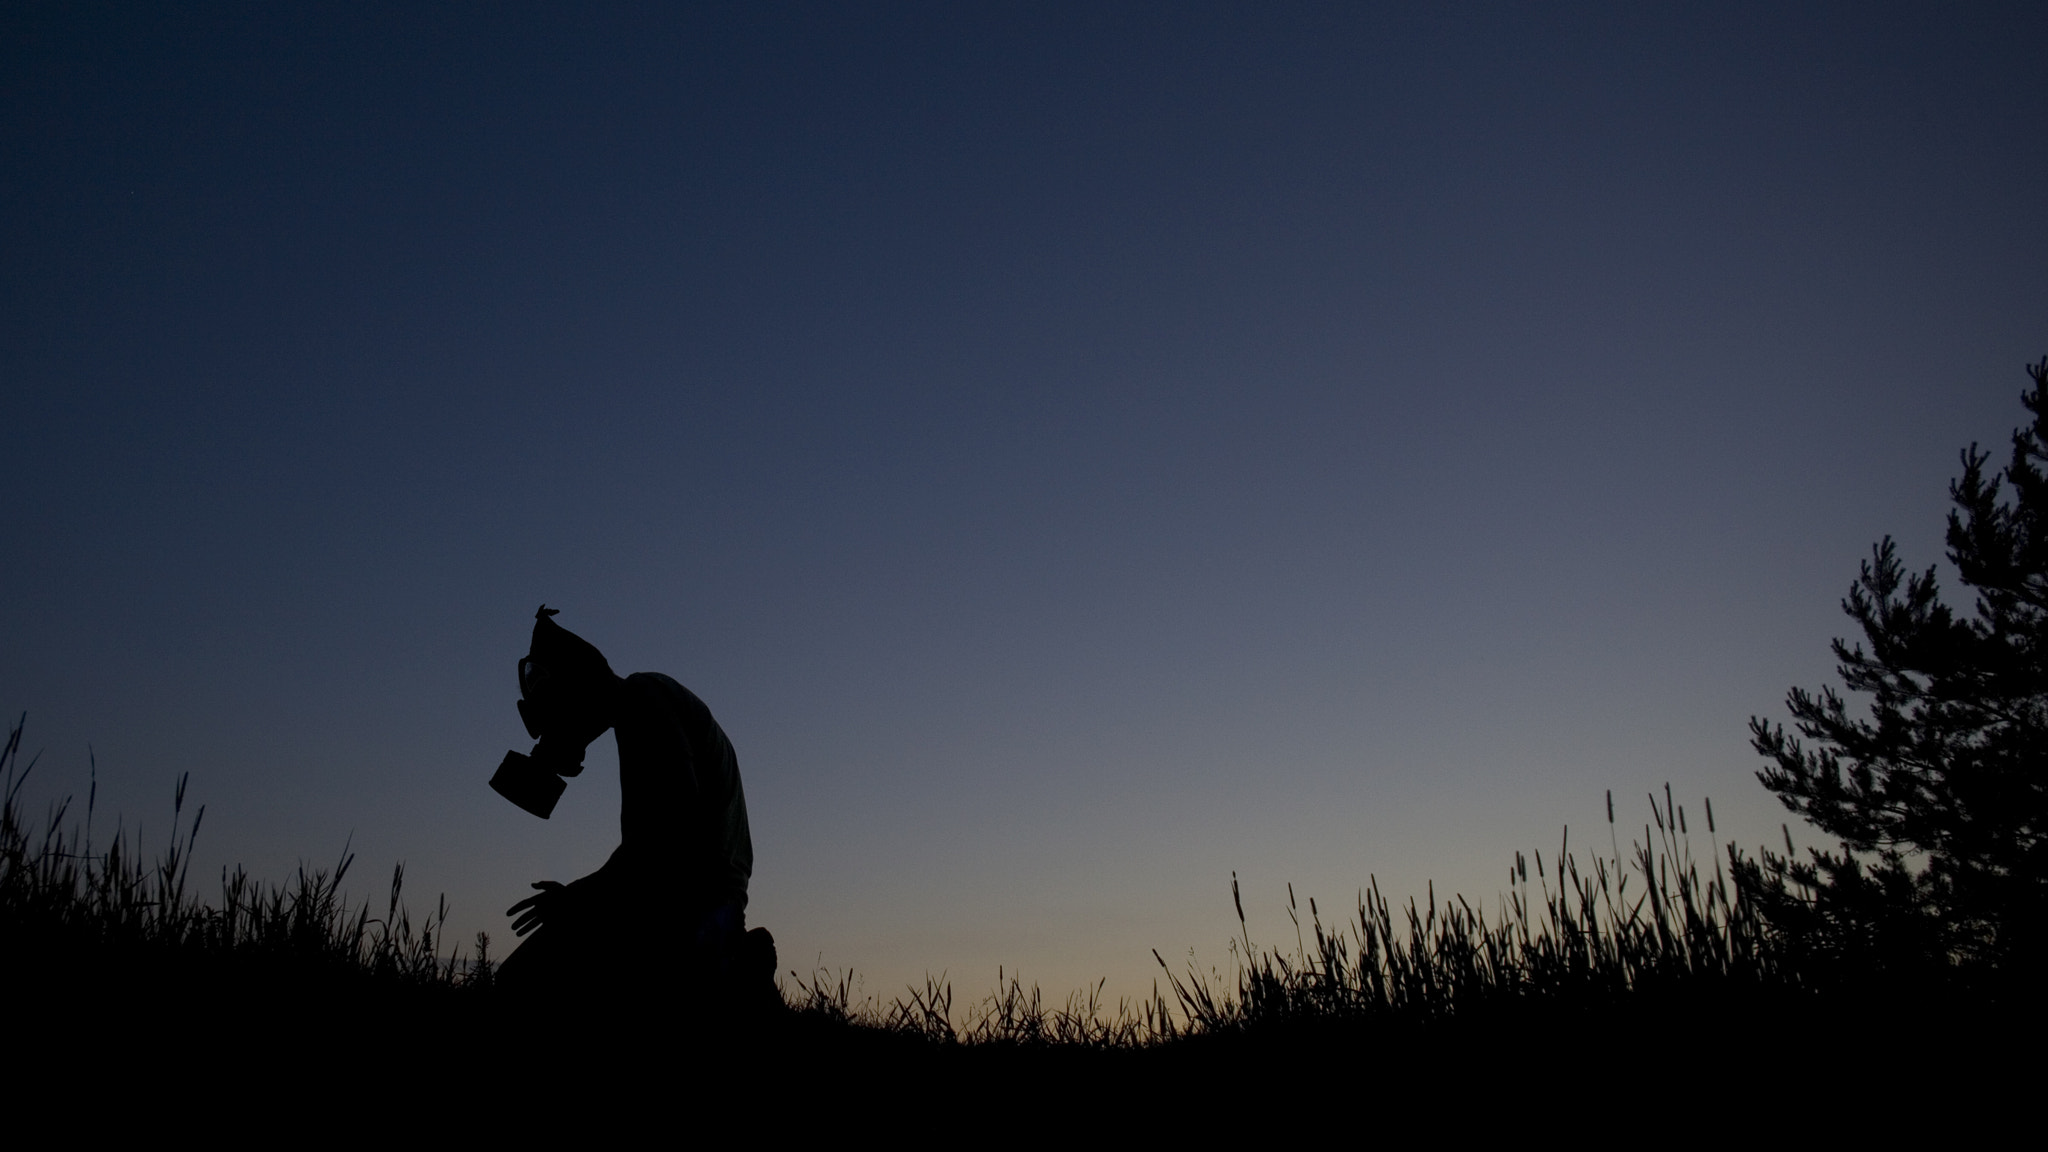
[(1582, 929)]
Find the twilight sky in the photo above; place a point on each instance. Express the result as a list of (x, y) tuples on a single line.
[(1075, 451)]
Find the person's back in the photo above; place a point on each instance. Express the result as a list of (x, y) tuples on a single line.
[(682, 810)]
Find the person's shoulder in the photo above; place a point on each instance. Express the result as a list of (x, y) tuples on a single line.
[(656, 686)]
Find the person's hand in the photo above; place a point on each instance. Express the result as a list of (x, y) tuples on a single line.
[(532, 912)]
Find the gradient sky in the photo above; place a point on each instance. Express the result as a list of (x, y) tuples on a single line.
[(1077, 452)]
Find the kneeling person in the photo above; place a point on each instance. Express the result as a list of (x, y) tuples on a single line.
[(676, 886)]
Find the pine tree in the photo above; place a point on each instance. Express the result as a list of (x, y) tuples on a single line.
[(1939, 794)]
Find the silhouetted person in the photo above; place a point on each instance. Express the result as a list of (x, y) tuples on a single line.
[(666, 914)]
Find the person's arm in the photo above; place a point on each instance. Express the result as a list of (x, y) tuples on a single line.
[(550, 902), (554, 901)]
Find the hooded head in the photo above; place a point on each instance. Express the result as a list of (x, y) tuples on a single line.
[(569, 693)]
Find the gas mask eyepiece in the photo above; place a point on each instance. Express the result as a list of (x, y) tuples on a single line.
[(533, 685)]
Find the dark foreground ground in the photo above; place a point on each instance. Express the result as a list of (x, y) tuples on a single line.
[(156, 1042)]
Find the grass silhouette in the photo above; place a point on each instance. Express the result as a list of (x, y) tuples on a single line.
[(1588, 935), (71, 900), (1585, 951)]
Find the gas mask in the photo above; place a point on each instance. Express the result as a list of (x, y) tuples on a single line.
[(562, 712), (535, 782), (558, 716)]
